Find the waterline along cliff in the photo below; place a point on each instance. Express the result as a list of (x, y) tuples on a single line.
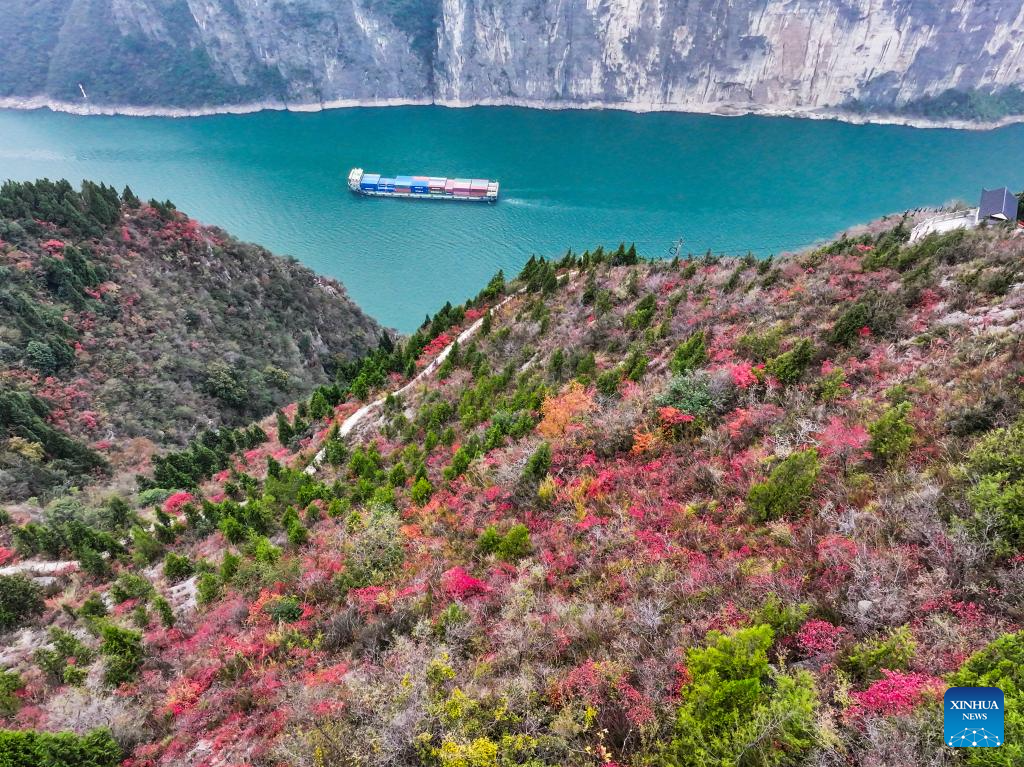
[(915, 59)]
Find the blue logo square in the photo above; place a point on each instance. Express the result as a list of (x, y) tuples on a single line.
[(972, 717)]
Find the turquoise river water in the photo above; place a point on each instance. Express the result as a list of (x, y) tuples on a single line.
[(568, 179)]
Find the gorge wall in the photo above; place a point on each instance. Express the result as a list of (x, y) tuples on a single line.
[(701, 55)]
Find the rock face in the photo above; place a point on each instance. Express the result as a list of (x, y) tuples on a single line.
[(651, 54)]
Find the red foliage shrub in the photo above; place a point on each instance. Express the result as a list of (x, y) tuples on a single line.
[(434, 347), (843, 440), (185, 693), (742, 374), (174, 503), (604, 685), (333, 674), (670, 416), (369, 599), (896, 693), (836, 549), (459, 584), (89, 419), (818, 637)]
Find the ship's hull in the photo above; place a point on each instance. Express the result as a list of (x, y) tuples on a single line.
[(412, 196)]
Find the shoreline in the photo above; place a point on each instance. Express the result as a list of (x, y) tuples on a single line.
[(715, 110)]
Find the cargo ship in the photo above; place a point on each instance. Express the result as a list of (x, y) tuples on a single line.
[(422, 187)]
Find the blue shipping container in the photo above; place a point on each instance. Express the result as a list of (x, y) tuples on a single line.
[(403, 181)]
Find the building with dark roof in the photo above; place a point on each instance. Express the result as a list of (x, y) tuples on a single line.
[(999, 204)]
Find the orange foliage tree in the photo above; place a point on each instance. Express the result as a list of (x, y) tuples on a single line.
[(564, 408)]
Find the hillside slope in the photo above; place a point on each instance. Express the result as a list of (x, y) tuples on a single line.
[(675, 513), (126, 326), (767, 55)]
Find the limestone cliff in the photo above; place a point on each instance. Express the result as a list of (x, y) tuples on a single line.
[(725, 55)]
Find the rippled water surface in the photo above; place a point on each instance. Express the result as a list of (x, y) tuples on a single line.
[(568, 179)]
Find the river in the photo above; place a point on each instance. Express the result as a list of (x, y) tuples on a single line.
[(568, 179)]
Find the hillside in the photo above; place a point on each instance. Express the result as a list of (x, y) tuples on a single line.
[(127, 327), (862, 57), (710, 511)]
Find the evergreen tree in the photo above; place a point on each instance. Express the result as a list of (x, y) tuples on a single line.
[(738, 710), (619, 257), (528, 270), (284, 429), (539, 463), (556, 364), (129, 199), (589, 289), (319, 408), (690, 354), (495, 287)]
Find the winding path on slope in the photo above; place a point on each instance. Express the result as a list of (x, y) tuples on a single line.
[(350, 423)]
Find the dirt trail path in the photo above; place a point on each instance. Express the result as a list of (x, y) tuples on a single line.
[(350, 423)]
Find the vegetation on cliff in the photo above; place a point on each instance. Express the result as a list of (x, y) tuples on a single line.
[(969, 105), (127, 326), (707, 511)]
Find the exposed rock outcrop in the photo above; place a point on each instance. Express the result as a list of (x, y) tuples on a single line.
[(705, 55)]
